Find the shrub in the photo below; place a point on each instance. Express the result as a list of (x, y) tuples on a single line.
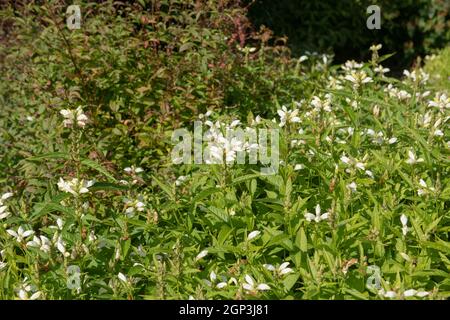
[(438, 66)]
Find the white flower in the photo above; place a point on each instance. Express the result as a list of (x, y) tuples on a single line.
[(74, 116), (21, 233), (61, 246), (404, 221), (358, 78), (75, 186), (440, 101), (131, 206), (422, 294), (425, 189), (302, 58), (6, 195), (60, 223), (299, 167), (43, 243), (412, 158), (351, 65), (390, 294), (318, 216), (381, 70), (413, 292), (253, 235), (421, 77), (281, 270), (122, 277), (352, 186), (251, 286), (201, 255), (376, 110), (410, 293), (3, 212), (392, 140), (401, 95), (180, 180), (288, 116), (369, 173), (23, 295), (353, 162), (133, 170), (321, 104), (375, 47)]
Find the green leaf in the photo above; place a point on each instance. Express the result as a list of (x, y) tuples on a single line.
[(98, 167), (164, 187), (52, 155), (301, 241)]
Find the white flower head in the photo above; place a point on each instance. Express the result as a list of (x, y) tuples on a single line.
[(75, 186), (201, 255), (72, 117), (122, 277), (21, 234), (41, 242), (319, 216), (440, 101), (412, 158), (404, 221), (281, 270), (251, 286), (288, 116), (252, 235), (352, 187)]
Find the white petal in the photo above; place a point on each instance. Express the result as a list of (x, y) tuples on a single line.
[(221, 285), (28, 233), (23, 294), (422, 294), (201, 254), (35, 295), (7, 195), (249, 280), (247, 287), (403, 219), (12, 233), (409, 293), (269, 267), (122, 277), (285, 271), (262, 287), (317, 209), (283, 265), (390, 294), (253, 235)]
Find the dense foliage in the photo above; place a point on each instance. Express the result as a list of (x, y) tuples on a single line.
[(358, 209)]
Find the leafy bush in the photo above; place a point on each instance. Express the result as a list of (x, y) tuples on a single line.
[(93, 207), (438, 65)]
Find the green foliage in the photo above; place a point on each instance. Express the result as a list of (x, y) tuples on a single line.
[(98, 189), (438, 66)]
